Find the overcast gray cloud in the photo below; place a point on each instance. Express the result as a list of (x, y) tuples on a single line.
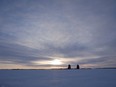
[(34, 32)]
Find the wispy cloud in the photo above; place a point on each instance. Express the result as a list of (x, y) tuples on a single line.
[(78, 31)]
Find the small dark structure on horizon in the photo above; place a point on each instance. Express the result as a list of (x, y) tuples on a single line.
[(69, 66), (78, 67)]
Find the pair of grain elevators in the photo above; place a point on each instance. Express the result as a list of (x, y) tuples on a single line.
[(69, 66)]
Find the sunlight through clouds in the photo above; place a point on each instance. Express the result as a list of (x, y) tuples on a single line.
[(63, 31)]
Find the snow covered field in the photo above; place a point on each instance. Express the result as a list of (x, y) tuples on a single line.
[(58, 78)]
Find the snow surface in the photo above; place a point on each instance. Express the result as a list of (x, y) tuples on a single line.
[(58, 78)]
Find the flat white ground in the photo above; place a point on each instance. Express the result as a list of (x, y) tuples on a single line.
[(58, 78)]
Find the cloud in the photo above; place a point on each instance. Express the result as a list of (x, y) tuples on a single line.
[(77, 30)]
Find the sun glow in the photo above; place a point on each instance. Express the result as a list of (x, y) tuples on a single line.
[(55, 62), (52, 62)]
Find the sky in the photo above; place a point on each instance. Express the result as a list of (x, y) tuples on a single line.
[(43, 34)]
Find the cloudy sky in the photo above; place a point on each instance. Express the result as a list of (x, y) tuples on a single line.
[(55, 33)]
